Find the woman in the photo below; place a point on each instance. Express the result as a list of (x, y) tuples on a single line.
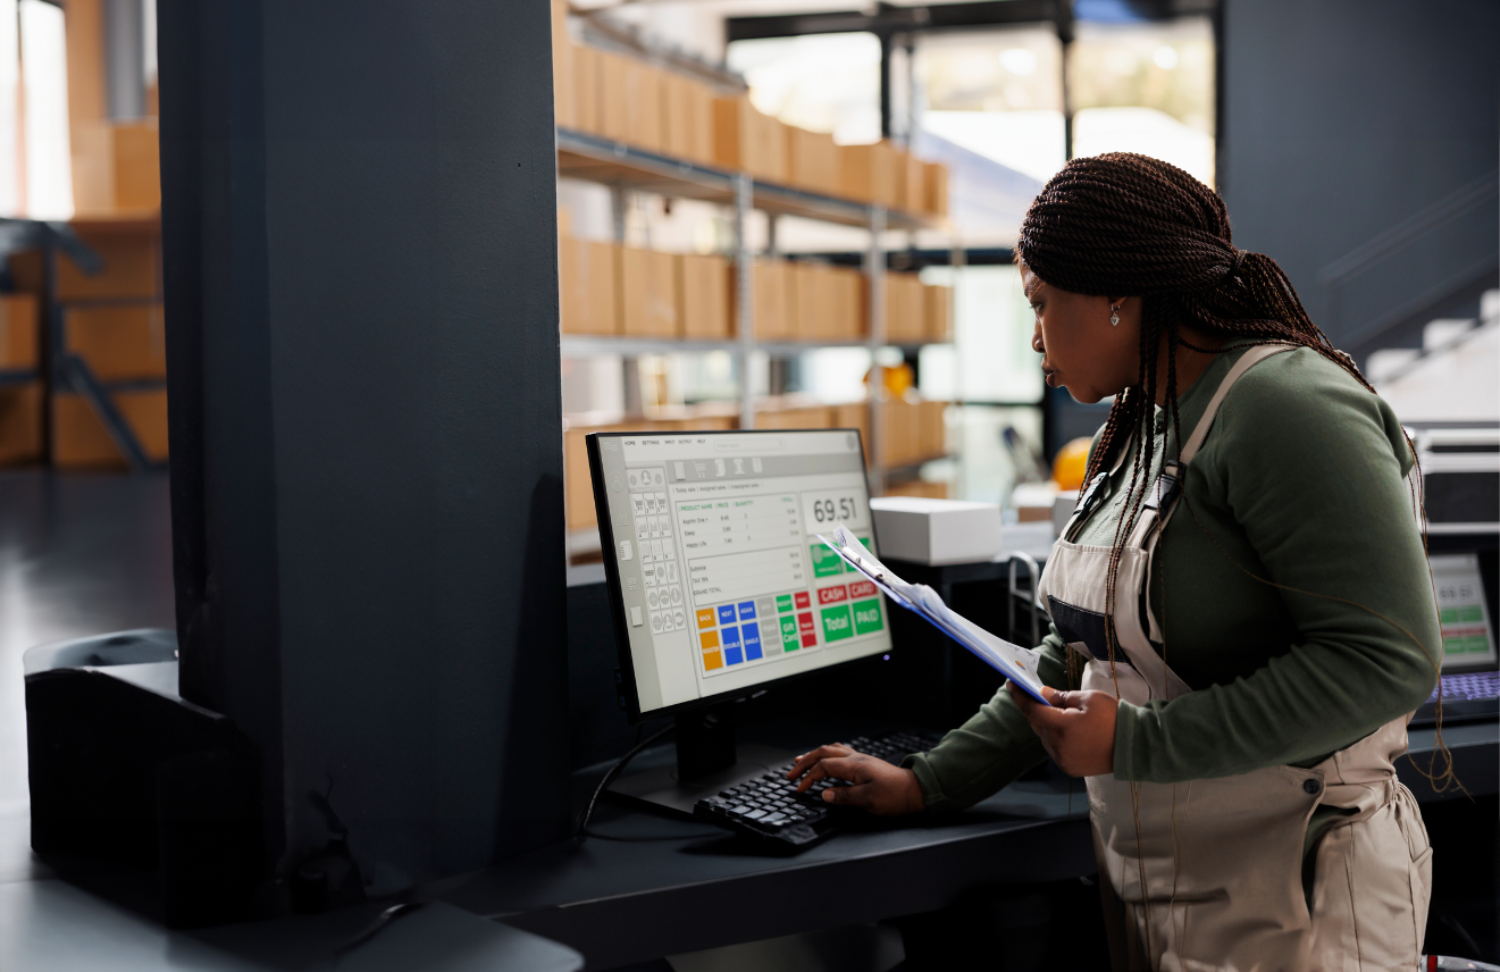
[(1245, 585)]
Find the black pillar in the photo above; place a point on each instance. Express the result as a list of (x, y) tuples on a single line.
[(360, 271)]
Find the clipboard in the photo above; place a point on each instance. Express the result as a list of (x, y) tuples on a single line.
[(1018, 664)]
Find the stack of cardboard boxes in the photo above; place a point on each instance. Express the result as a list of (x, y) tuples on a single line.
[(913, 431), (613, 290), (915, 313), (622, 98)]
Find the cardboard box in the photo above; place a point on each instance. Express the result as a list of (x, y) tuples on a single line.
[(852, 303), (20, 327), (563, 99), (688, 119), (132, 267), (648, 293), (867, 173), (21, 423), (586, 108), (119, 342), (644, 103), (897, 446), (804, 417), (117, 166), (916, 487), (587, 288), (80, 439), (614, 113), (771, 296), (911, 188), (904, 311), (937, 304), (812, 161), (936, 532), (935, 188), (854, 415), (703, 310), (932, 437), (748, 141)]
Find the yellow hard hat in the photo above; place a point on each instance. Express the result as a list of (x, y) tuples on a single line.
[(1071, 464)]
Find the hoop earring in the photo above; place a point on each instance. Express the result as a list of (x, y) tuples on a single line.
[(1114, 317)]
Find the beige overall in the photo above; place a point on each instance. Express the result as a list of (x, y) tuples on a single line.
[(1207, 874)]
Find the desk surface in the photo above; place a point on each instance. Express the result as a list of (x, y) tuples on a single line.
[(677, 886)]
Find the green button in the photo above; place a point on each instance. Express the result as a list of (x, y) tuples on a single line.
[(789, 633), (1470, 612), (867, 617), (1448, 615), (1455, 646), (825, 562), (836, 623), (1478, 645), (783, 603)]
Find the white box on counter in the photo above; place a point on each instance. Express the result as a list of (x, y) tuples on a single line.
[(935, 531)]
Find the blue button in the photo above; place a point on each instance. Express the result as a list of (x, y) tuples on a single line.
[(747, 611), (726, 614), (752, 640), (730, 637)]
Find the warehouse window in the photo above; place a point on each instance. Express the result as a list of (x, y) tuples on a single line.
[(996, 93), (822, 82), (36, 179), (1148, 88)]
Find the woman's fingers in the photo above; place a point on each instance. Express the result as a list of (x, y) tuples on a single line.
[(807, 760), (838, 767)]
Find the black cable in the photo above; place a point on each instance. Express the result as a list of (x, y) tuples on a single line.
[(609, 777)]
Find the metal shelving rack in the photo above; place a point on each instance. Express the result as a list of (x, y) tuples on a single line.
[(624, 169)]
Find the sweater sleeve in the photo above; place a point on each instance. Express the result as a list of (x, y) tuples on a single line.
[(1312, 469), (992, 749)]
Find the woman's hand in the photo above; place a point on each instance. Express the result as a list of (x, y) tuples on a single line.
[(1078, 730), (878, 786)]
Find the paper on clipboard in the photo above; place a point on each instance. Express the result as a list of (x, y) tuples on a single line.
[(1014, 662)]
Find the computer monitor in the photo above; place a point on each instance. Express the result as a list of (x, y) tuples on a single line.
[(718, 584)]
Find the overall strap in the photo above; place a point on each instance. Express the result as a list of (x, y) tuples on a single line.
[(1162, 502), (1247, 361)]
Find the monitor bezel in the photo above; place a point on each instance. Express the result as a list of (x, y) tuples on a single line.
[(627, 686)]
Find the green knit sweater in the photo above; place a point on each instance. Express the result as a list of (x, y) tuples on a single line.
[(1301, 482)]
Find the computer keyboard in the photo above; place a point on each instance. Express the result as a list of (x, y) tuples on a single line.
[(771, 813), (1468, 697)]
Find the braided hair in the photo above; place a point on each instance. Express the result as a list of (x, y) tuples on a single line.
[(1127, 224)]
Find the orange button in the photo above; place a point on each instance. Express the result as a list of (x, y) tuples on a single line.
[(712, 660), (705, 617), (709, 640)]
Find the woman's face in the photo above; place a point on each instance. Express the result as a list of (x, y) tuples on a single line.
[(1081, 350)]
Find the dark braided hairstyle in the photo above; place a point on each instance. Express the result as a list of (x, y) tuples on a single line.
[(1123, 224)]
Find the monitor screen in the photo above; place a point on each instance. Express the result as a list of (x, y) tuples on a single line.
[(1468, 630), (718, 581)]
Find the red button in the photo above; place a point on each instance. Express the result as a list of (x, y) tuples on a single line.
[(861, 589), (806, 626), (809, 640), (803, 600), (832, 595)]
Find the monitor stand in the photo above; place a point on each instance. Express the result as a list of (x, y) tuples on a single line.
[(707, 761)]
